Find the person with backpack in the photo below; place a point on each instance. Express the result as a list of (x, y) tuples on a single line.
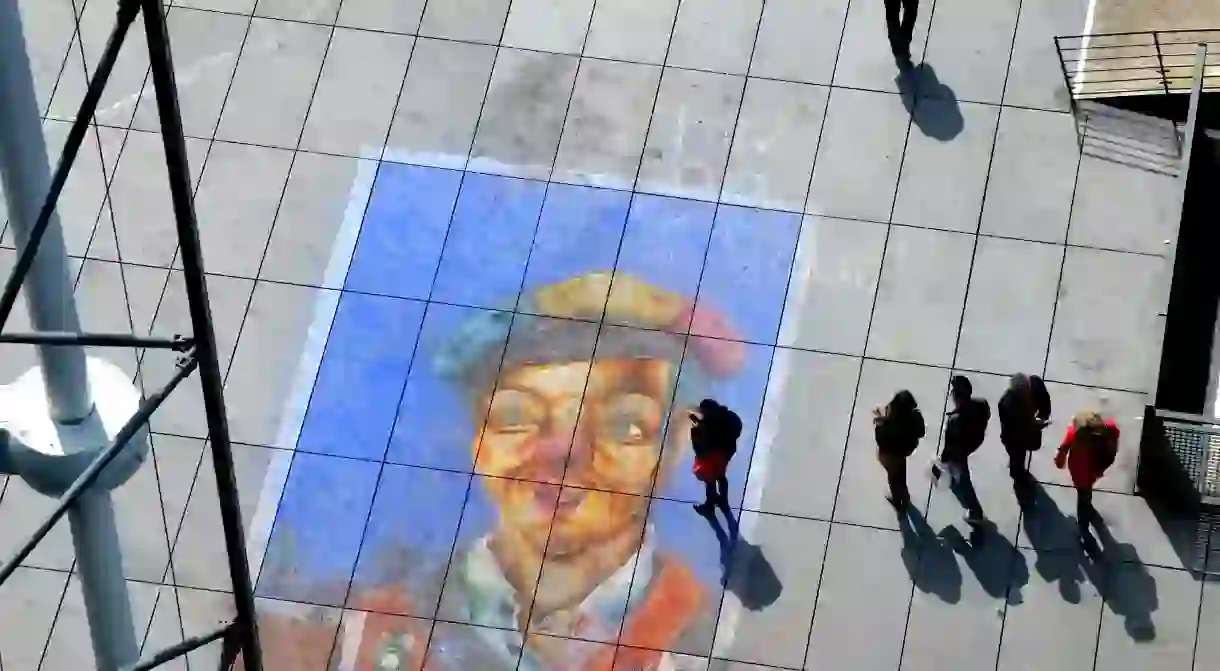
[(714, 433), (965, 429), (1025, 410), (897, 427), (1089, 448)]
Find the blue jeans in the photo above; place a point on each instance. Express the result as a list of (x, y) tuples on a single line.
[(963, 490)]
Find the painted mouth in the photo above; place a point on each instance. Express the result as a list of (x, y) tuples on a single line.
[(562, 500)]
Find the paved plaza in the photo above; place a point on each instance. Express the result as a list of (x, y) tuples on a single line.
[(470, 263)]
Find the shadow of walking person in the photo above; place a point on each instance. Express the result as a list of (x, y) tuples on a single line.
[(746, 571), (752, 578), (1053, 536), (932, 105), (931, 564), (999, 567), (1129, 589)]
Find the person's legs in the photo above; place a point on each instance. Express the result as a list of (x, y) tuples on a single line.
[(1017, 470), (709, 488), (893, 27), (722, 491), (896, 475), (1085, 513), (910, 12), (963, 489)]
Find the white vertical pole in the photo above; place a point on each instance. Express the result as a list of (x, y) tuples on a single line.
[(26, 180), (49, 296)]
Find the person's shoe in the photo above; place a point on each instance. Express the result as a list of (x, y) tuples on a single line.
[(704, 509), (898, 503), (975, 519)]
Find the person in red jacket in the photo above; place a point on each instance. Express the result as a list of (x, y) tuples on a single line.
[(1088, 449)]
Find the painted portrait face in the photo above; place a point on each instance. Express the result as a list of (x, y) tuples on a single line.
[(597, 428)]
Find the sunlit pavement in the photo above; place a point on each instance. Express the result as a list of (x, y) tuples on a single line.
[(465, 294)]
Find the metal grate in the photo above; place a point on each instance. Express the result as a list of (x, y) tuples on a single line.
[(1197, 447), (1194, 442)]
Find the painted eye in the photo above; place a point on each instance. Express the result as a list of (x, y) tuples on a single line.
[(631, 419), (512, 412)]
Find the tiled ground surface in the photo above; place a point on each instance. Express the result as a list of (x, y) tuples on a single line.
[(391, 190)]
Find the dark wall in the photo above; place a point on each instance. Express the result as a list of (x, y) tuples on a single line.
[(1195, 293)]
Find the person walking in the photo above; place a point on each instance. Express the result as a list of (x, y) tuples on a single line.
[(1088, 449), (965, 429), (1025, 410), (897, 428), (900, 18), (714, 433)]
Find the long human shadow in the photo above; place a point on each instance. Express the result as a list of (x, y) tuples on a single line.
[(1059, 557), (746, 571), (1130, 590), (932, 105), (929, 561), (1114, 568), (1000, 569)]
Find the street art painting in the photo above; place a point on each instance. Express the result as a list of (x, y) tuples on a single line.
[(494, 468)]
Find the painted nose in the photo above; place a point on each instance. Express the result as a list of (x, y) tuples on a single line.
[(553, 445), (564, 447)]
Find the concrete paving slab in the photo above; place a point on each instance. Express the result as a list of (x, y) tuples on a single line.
[(460, 385)]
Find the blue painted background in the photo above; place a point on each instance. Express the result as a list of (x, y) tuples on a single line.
[(381, 423)]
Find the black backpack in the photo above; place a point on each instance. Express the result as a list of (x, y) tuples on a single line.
[(718, 429), (725, 429), (974, 424)]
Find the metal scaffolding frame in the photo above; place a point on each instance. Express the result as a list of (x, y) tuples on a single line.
[(240, 636)]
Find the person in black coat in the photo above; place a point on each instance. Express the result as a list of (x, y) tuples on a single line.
[(714, 433), (1025, 410), (897, 428), (965, 429)]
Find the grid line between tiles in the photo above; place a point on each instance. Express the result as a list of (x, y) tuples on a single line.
[(141, 354), (906, 141), (961, 324), (73, 39), (830, 524), (381, 469), (107, 206), (78, 42), (317, 79), (484, 308), (703, 269), (428, 303), (419, 35)]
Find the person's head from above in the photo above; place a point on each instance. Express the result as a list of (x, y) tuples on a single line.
[(704, 410), (582, 424), (1020, 385), (960, 390), (903, 404), (1090, 427)]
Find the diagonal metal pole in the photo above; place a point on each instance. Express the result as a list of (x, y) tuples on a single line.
[(211, 379)]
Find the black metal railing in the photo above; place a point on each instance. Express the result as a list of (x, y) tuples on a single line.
[(1152, 62), (199, 350), (1179, 469)]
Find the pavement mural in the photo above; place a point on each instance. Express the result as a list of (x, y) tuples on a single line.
[(497, 440)]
